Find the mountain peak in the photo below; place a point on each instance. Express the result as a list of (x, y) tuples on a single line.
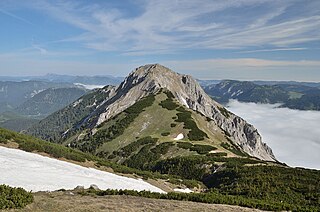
[(151, 69), (151, 80), (156, 73)]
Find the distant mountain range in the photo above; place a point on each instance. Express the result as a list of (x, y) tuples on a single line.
[(57, 78), (49, 101), (13, 94), (22, 109), (26, 100), (302, 96)]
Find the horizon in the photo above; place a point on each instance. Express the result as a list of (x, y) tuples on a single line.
[(240, 40), (109, 75)]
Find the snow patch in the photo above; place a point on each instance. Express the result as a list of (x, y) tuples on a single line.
[(76, 103), (38, 173), (185, 190), (179, 137), (63, 134), (144, 126), (184, 101), (35, 92)]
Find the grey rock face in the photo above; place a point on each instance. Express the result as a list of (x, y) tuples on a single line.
[(150, 79)]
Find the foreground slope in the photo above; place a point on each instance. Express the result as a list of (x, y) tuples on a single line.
[(38, 173), (149, 80), (238, 180), (64, 201)]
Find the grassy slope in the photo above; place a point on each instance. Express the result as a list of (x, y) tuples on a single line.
[(154, 121)]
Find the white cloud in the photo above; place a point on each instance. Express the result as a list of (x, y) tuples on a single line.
[(273, 50), (40, 49), (293, 135), (178, 25), (15, 16)]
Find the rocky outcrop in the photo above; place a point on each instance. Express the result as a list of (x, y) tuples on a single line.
[(150, 79)]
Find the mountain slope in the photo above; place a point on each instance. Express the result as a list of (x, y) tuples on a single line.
[(246, 92), (49, 101), (16, 122), (294, 96), (142, 82), (12, 94)]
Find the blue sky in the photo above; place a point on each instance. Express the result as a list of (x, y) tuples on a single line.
[(209, 39)]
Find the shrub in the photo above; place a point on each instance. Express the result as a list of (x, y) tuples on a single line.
[(165, 133), (134, 146), (162, 148), (168, 103), (184, 145), (14, 197), (195, 134), (202, 149), (173, 125)]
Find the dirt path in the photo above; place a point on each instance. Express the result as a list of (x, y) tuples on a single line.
[(66, 201)]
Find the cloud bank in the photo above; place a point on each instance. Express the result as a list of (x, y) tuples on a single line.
[(293, 135)]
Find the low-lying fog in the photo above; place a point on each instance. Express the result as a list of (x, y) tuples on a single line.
[(293, 135)]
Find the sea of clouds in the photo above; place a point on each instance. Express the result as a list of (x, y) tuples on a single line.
[(293, 135)]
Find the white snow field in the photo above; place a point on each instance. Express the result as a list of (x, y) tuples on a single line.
[(38, 173)]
